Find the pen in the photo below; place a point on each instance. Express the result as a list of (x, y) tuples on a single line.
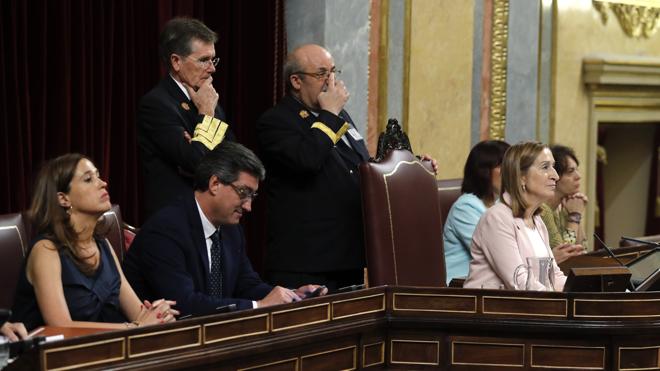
[(36, 331), (351, 287)]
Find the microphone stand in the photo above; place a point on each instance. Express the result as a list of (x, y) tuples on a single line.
[(611, 253)]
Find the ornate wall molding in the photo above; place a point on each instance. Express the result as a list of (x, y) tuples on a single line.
[(500, 36), (636, 20), (622, 90)]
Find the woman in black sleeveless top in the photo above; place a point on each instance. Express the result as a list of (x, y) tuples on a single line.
[(72, 278)]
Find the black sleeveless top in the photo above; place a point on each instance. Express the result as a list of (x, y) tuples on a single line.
[(89, 298)]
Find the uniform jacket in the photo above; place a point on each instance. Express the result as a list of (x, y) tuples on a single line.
[(314, 209), (168, 160)]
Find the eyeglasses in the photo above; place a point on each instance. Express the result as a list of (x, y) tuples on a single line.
[(321, 75), (244, 193), (206, 62)]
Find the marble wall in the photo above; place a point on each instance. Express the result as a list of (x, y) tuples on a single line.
[(522, 71), (579, 33), (440, 82), (342, 27), (395, 58)]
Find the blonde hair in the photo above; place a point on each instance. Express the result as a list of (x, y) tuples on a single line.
[(517, 161)]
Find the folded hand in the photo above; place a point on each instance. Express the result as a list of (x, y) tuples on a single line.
[(567, 250), (160, 311)]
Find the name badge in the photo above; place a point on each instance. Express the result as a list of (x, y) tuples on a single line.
[(355, 134)]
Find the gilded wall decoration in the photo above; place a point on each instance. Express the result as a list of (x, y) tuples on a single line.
[(636, 20), (498, 62)]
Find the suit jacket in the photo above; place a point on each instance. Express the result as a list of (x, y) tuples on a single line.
[(500, 244), (168, 259), (168, 160), (314, 209)]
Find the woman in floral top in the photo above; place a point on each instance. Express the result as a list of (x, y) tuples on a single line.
[(562, 215)]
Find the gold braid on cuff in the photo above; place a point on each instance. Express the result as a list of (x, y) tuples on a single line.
[(210, 132), (334, 137)]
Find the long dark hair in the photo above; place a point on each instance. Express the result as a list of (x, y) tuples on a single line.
[(49, 218), (483, 158)]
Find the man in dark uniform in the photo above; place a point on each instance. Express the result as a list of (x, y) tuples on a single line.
[(312, 151), (180, 119)]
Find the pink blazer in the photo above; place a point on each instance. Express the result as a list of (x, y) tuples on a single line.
[(499, 245)]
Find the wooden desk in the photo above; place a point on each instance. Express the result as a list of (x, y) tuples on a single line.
[(600, 258), (69, 332), (389, 328)]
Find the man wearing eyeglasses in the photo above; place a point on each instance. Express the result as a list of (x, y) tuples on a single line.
[(312, 150), (180, 119), (193, 250)]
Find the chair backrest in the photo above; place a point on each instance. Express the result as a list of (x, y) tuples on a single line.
[(402, 222), (449, 190), (110, 226), (13, 247)]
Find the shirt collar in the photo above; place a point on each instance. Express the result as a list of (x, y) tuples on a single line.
[(183, 88), (315, 113), (207, 226)]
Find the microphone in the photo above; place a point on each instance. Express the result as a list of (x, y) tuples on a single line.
[(651, 243), (611, 253)]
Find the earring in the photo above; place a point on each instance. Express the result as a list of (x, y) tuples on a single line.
[(69, 210), (524, 187)]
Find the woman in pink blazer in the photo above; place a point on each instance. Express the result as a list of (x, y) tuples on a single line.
[(511, 231)]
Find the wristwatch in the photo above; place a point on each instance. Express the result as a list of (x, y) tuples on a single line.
[(574, 217)]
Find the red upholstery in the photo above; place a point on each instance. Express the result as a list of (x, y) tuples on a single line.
[(402, 222), (129, 236), (13, 247), (449, 190), (15, 238)]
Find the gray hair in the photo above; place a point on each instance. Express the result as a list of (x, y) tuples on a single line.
[(291, 66), (177, 37)]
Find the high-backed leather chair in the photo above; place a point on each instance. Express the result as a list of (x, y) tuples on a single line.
[(449, 190), (402, 222), (110, 226), (13, 247)]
